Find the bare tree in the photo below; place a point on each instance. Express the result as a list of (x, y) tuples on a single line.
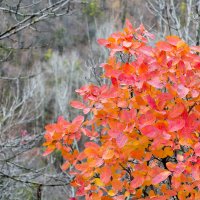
[(181, 18), (23, 171), (23, 21), (25, 98), (24, 15)]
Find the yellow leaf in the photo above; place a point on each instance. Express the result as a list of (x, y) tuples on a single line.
[(98, 182), (111, 193)]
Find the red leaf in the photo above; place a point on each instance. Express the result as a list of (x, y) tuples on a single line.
[(89, 133), (91, 144), (176, 111), (148, 51), (127, 44), (164, 46), (77, 104), (126, 79), (197, 149), (151, 102), (80, 191), (194, 93), (128, 115), (86, 110), (103, 42), (137, 181), (161, 177), (147, 119), (78, 120), (150, 131), (113, 133), (182, 90), (121, 140), (114, 81), (180, 167), (155, 82), (196, 172), (105, 174), (176, 124)]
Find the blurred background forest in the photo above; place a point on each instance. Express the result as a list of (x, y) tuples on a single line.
[(48, 49)]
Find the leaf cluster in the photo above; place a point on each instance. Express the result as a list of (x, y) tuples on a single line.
[(144, 128)]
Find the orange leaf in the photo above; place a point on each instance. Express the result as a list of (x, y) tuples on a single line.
[(106, 198), (173, 40), (117, 185), (49, 150), (65, 166), (76, 123)]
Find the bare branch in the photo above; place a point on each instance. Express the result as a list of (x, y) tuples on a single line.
[(34, 17), (15, 178)]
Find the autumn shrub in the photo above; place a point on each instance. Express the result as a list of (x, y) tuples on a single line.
[(143, 128)]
